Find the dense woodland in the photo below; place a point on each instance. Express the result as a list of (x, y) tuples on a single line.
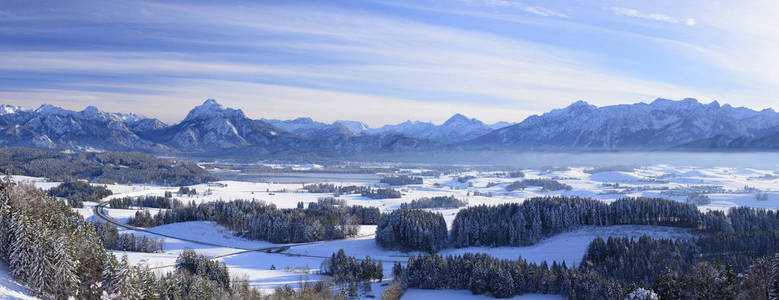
[(401, 180), (435, 202), (111, 238), (412, 229), (102, 167), (146, 201), (547, 185), (502, 278), (365, 191), (54, 252), (348, 269), (527, 223), (261, 221), (76, 192), (644, 259)]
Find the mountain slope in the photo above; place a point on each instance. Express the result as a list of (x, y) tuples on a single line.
[(662, 124)]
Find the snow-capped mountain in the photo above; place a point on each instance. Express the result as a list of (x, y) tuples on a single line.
[(662, 124), (456, 129), (52, 127), (210, 126)]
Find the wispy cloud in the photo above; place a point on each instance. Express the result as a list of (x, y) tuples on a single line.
[(630, 12)]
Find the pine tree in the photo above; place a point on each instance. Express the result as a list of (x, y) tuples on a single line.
[(21, 248), (41, 272), (774, 290), (65, 279)]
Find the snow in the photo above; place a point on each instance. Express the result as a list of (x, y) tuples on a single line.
[(571, 246), (301, 262), (9, 288)]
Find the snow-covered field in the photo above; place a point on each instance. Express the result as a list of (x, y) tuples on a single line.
[(725, 187)]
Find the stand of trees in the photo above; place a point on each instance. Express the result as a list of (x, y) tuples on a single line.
[(112, 239), (102, 167), (481, 273), (401, 180), (547, 185), (260, 221), (411, 229), (527, 223), (435, 202), (365, 191), (145, 201), (76, 192), (54, 252), (644, 259), (347, 269)]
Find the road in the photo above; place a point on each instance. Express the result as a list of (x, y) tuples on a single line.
[(279, 249)]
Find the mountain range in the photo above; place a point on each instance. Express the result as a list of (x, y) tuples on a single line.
[(211, 128)]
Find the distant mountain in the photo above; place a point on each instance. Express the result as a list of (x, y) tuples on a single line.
[(456, 129), (52, 127), (662, 124), (212, 129)]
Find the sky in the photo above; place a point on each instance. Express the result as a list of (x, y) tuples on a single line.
[(387, 61)]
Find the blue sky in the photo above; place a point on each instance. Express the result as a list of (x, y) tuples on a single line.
[(385, 61)]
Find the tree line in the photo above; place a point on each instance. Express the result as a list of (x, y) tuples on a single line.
[(101, 167), (111, 238), (365, 191), (527, 223), (348, 269), (261, 221), (76, 192), (642, 260), (412, 229), (166, 202), (547, 185), (401, 180), (502, 278), (434, 202)]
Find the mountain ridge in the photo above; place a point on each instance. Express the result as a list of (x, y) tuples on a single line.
[(212, 128)]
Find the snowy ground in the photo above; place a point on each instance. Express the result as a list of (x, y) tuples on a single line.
[(9, 288), (726, 187)]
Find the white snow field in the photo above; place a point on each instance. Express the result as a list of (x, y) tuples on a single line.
[(725, 187), (9, 288)]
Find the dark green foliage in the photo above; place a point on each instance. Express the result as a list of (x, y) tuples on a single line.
[(464, 179), (411, 229), (435, 202), (527, 223), (194, 263), (381, 193), (186, 191), (103, 167), (547, 185), (145, 201), (643, 259), (516, 185), (365, 191), (348, 269), (401, 180), (502, 278), (112, 239), (76, 192), (260, 221)]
